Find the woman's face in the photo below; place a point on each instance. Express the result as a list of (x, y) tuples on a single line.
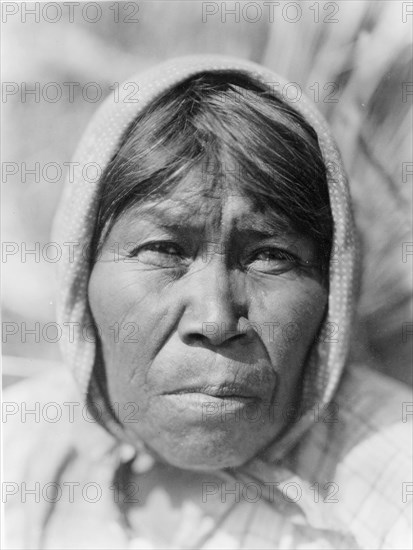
[(206, 313)]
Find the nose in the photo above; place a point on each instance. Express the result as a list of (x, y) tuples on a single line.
[(213, 307)]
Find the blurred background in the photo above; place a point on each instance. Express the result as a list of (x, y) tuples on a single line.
[(352, 58)]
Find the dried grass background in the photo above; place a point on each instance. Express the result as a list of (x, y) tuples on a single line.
[(367, 53)]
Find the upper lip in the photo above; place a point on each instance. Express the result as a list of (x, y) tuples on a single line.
[(230, 389)]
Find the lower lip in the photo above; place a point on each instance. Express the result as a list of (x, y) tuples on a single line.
[(198, 399)]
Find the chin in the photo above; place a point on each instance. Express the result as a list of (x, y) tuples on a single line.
[(202, 463), (208, 454)]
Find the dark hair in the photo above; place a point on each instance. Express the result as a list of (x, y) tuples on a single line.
[(214, 121)]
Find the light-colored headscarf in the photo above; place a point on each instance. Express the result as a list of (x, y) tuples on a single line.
[(76, 217)]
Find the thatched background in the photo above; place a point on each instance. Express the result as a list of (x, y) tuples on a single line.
[(367, 53)]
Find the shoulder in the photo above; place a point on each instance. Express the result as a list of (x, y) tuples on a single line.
[(372, 448), (360, 381), (35, 404), (368, 409), (47, 430), (46, 415), (38, 435), (359, 454), (372, 407), (36, 440), (34, 407)]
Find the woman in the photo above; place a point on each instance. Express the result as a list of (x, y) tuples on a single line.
[(207, 293)]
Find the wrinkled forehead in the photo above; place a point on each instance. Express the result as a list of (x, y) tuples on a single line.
[(204, 200)]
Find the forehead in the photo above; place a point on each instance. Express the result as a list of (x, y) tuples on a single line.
[(203, 201)]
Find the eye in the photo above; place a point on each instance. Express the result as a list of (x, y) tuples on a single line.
[(273, 260), (159, 254)]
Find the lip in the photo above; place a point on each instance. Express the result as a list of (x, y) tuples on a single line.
[(232, 391), (191, 402)]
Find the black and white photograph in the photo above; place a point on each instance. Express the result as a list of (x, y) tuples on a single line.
[(207, 271)]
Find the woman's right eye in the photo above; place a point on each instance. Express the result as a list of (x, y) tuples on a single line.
[(159, 254)]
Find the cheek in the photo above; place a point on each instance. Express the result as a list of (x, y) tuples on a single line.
[(290, 316), (132, 318), (125, 302)]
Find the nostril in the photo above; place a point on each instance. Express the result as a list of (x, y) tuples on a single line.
[(215, 339), (196, 338)]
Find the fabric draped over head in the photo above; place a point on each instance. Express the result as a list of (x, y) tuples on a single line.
[(76, 217)]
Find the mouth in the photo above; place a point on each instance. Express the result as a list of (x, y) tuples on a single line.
[(232, 391)]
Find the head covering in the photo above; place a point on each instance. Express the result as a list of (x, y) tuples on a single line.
[(75, 221)]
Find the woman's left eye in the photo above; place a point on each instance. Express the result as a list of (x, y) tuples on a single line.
[(271, 259)]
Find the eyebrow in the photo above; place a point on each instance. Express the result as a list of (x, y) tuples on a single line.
[(176, 218), (269, 226), (165, 217)]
